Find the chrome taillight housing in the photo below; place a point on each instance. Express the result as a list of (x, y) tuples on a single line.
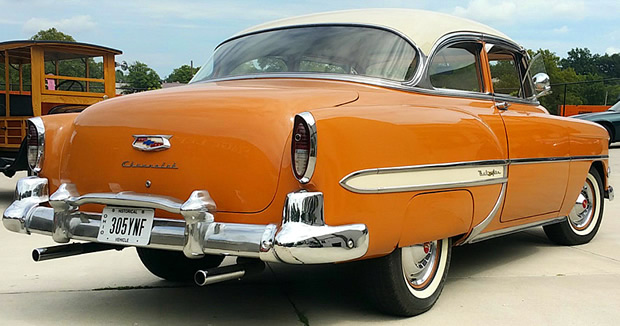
[(303, 146), (35, 141)]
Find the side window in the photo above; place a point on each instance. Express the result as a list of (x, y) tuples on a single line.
[(457, 67), (507, 67)]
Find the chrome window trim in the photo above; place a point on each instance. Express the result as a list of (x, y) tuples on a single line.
[(457, 37), (38, 123), (409, 86), (363, 80), (442, 43), (519, 49), (420, 55), (311, 123), (455, 165)]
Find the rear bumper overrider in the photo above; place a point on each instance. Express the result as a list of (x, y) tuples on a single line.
[(301, 238)]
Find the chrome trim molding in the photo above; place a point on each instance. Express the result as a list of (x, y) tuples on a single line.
[(424, 177), (394, 179), (29, 193), (412, 85), (304, 207), (302, 238), (480, 227), (420, 55), (308, 240), (514, 229), (311, 123), (519, 161), (38, 123)]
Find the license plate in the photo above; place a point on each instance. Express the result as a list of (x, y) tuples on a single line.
[(126, 225)]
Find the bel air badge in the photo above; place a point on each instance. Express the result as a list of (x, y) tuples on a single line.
[(149, 143)]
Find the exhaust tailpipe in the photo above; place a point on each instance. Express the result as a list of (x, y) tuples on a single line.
[(243, 268), (73, 249)]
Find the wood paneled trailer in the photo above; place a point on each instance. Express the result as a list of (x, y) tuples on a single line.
[(47, 77)]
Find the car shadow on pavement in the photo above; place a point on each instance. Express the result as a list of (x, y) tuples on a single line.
[(280, 295), (6, 196)]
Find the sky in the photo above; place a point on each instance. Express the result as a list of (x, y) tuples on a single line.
[(168, 34)]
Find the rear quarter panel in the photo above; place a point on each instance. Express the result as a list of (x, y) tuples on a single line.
[(403, 131)]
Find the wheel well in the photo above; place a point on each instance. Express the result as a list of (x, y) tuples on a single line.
[(598, 165), (609, 127)]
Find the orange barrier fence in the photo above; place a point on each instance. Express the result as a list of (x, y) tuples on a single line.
[(568, 110)]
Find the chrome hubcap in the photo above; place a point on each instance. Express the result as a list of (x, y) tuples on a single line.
[(583, 211), (419, 262)]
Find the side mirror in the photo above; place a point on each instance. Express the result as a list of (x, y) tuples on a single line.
[(542, 84)]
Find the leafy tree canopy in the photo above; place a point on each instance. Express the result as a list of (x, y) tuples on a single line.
[(141, 77), (580, 66), (52, 34), (183, 74)]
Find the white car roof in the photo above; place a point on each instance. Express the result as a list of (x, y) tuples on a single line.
[(422, 27)]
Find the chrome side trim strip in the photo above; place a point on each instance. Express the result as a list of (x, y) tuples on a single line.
[(480, 227), (514, 229), (423, 177), (394, 179), (519, 161)]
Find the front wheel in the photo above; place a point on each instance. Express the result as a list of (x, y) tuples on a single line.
[(408, 281), (585, 218)]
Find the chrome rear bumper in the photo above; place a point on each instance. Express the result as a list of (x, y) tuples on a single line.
[(301, 238)]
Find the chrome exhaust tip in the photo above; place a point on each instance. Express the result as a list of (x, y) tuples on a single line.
[(72, 249), (243, 268)]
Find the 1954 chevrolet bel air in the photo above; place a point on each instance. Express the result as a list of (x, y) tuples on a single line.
[(380, 135)]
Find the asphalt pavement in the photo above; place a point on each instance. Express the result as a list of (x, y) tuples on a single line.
[(520, 279)]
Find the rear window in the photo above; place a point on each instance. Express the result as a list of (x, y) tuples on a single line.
[(347, 50)]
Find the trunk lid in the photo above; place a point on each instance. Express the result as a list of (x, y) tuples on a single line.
[(228, 138)]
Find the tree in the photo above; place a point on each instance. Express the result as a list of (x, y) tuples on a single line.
[(609, 65), (183, 74), (52, 34), (140, 77), (120, 76), (557, 75)]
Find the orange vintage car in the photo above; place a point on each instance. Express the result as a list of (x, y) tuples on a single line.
[(387, 136)]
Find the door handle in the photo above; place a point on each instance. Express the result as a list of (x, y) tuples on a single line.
[(502, 106)]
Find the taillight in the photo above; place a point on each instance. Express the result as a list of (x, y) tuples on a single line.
[(35, 141), (303, 147)]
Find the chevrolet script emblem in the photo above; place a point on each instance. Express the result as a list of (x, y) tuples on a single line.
[(150, 143)]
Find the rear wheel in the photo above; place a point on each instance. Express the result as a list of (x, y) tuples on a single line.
[(585, 218), (408, 281), (173, 265)]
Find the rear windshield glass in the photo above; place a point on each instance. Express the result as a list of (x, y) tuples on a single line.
[(349, 50)]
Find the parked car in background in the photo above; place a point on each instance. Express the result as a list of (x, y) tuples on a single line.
[(609, 119), (382, 135)]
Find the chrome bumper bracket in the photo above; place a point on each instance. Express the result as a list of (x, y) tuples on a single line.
[(301, 238)]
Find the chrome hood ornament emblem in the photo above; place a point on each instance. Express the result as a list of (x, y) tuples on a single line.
[(151, 143)]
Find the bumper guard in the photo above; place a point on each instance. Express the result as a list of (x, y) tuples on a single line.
[(301, 238)]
